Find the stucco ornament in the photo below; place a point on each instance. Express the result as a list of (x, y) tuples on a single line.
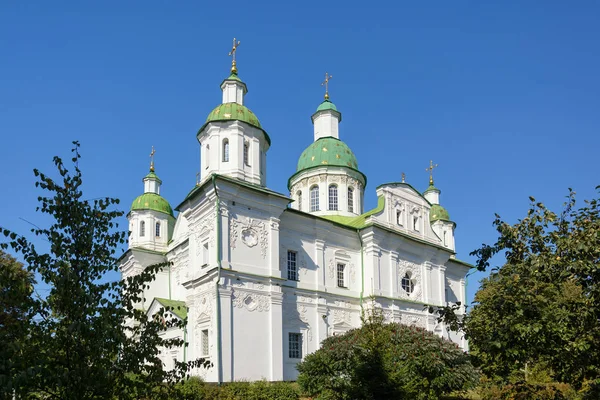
[(251, 301), (252, 232), (331, 268), (414, 271), (204, 227)]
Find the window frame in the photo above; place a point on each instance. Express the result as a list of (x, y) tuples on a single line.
[(407, 284), (247, 153), (292, 265), (332, 203), (299, 197), (340, 274), (350, 199), (157, 229), (142, 228), (205, 344), (295, 345), (225, 150), (314, 198)]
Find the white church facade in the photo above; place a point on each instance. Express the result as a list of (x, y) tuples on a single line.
[(263, 277)]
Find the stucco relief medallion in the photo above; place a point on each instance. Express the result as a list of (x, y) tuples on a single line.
[(414, 272), (250, 301), (249, 237)]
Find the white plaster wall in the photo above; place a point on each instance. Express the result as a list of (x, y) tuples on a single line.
[(149, 240)]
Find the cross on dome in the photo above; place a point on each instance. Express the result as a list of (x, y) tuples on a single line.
[(152, 159), (232, 55), (326, 84), (430, 169)]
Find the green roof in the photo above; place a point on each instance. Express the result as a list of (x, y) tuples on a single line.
[(152, 201), (430, 188), (152, 175), (327, 151), (360, 221), (233, 112), (438, 212), (176, 307), (328, 105), (234, 77)]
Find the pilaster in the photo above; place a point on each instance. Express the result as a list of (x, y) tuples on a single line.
[(274, 266), (393, 274), (275, 334), (226, 359)]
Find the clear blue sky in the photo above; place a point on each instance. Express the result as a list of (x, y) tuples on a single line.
[(504, 95)]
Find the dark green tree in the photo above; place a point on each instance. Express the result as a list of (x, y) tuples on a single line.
[(88, 338), (541, 309), (386, 361)]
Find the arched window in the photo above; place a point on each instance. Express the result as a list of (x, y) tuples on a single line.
[(246, 153), (207, 154), (299, 197), (333, 198), (350, 199), (142, 228), (158, 229), (225, 150), (314, 198), (407, 284)]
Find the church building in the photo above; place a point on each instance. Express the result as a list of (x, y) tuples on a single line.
[(264, 277)]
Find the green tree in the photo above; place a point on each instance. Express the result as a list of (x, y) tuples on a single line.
[(16, 305), (386, 361), (88, 338), (541, 309)]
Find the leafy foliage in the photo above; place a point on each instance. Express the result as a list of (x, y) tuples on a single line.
[(386, 361), (88, 338), (196, 389), (542, 307)]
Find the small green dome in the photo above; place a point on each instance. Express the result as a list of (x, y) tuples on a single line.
[(233, 112), (327, 151), (152, 201), (438, 212), (327, 105)]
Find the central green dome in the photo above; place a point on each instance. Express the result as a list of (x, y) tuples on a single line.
[(233, 112), (152, 201), (327, 151)]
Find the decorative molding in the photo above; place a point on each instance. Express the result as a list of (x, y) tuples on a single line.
[(251, 301), (251, 231), (405, 266), (204, 227), (352, 272), (331, 268)]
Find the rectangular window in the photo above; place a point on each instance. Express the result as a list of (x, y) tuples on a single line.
[(205, 342), (399, 217), (295, 345), (416, 223), (291, 266), (314, 198), (341, 281), (333, 198)]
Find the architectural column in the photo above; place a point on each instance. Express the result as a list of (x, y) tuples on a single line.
[(393, 274), (225, 239), (276, 334), (320, 264), (274, 267), (463, 296), (427, 282), (442, 289), (322, 326), (227, 339)]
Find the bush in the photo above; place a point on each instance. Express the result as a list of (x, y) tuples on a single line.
[(386, 361), (196, 389)]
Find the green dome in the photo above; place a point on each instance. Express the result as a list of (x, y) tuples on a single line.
[(327, 151), (327, 105), (152, 201), (233, 112), (438, 212)]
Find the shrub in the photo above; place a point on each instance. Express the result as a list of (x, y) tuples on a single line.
[(389, 361)]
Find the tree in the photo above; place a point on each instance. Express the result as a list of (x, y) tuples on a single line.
[(88, 338), (16, 286), (386, 361), (541, 309)]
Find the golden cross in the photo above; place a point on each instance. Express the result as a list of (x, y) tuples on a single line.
[(152, 159), (232, 55), (326, 84), (403, 177), (430, 169)]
